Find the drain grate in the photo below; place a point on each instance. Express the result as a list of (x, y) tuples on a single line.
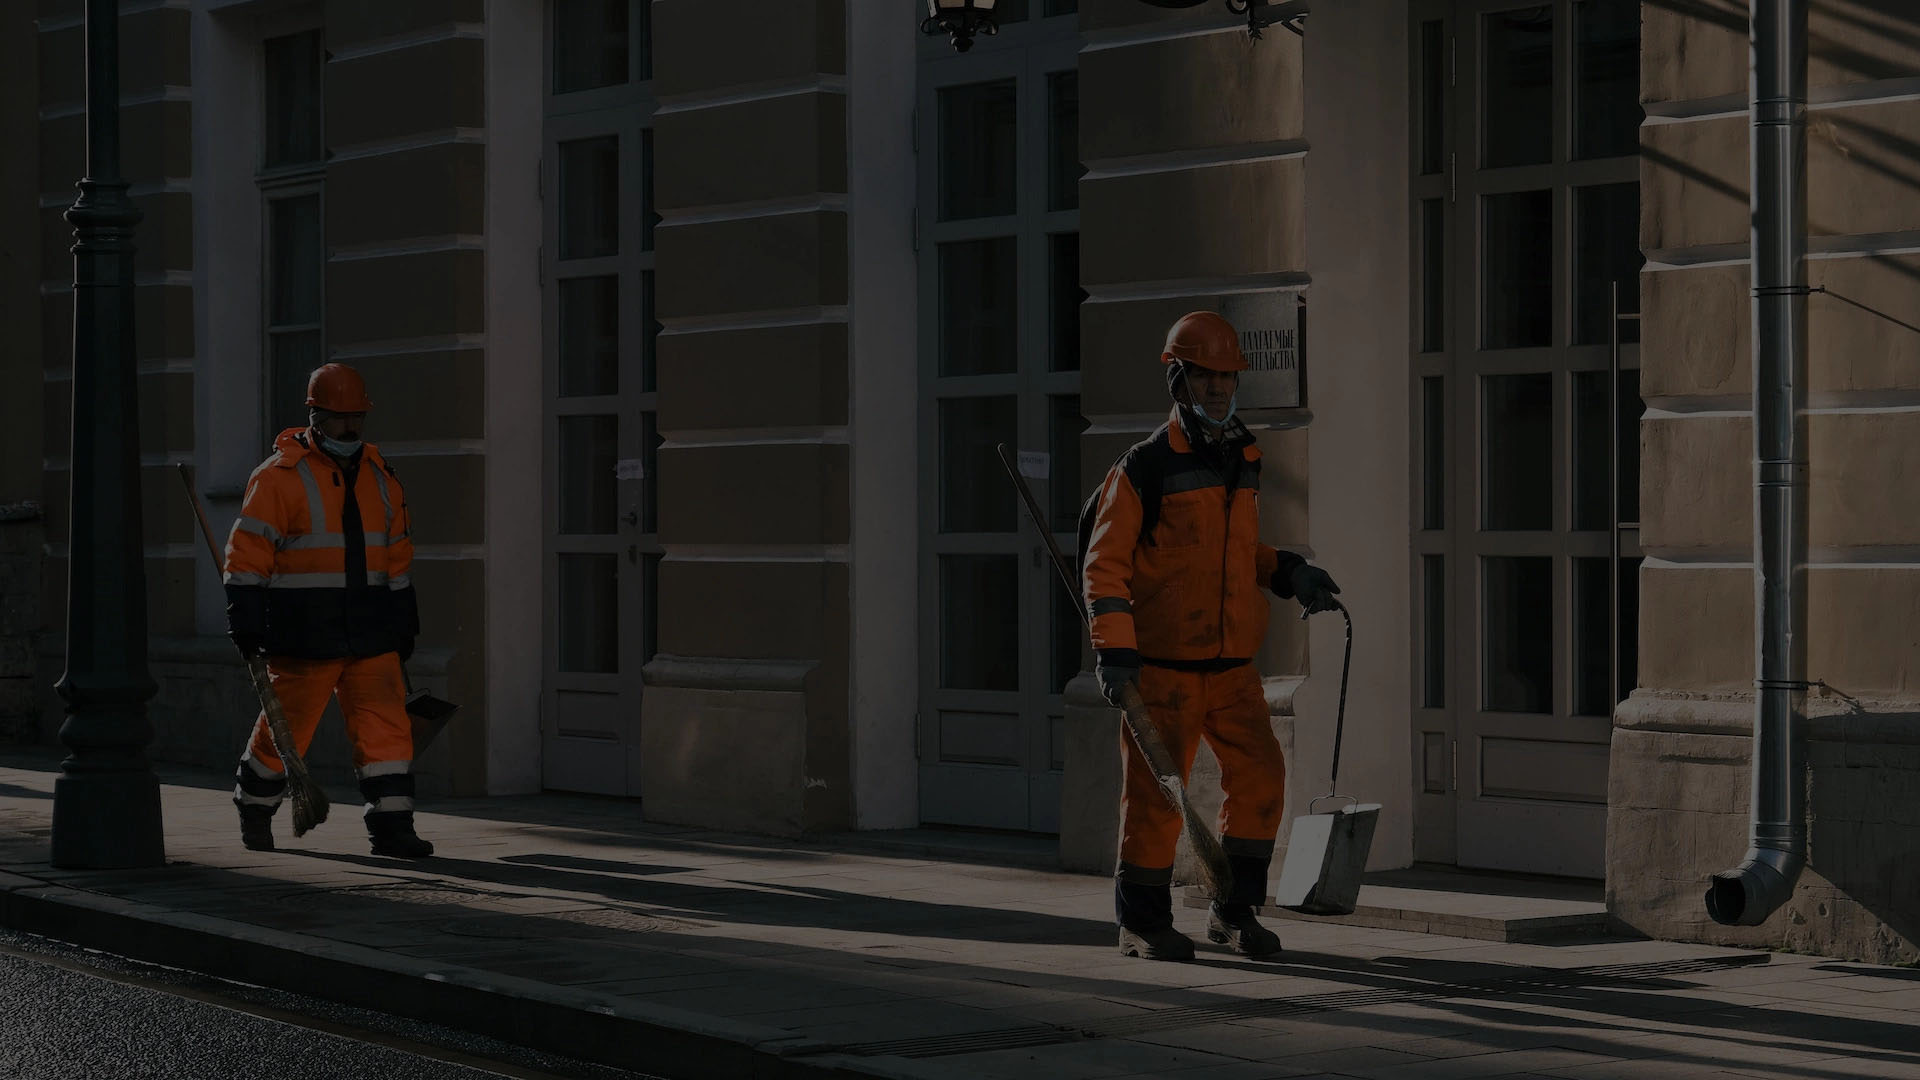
[(1595, 977)]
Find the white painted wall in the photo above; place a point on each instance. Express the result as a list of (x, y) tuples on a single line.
[(515, 33), (1358, 334), (881, 375)]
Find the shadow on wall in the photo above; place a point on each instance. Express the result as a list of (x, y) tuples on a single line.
[(22, 532), (1863, 836)]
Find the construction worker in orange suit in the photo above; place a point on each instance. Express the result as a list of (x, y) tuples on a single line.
[(1175, 580), (317, 581)]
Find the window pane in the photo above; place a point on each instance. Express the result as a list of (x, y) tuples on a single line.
[(1631, 406), (291, 357), (1591, 656), (650, 440), (1606, 82), (1606, 250), (648, 216), (590, 44), (1069, 633), (586, 481), (650, 603), (643, 42), (1590, 448), (1063, 312), (1433, 632), (1517, 635), (1064, 426), (978, 606), (1433, 97), (589, 319), (649, 336), (590, 197), (1433, 275), (1629, 628), (296, 264), (1433, 454), (1516, 452), (292, 68), (974, 493), (589, 616), (977, 150), (978, 307), (1517, 270), (1063, 141), (1517, 100)]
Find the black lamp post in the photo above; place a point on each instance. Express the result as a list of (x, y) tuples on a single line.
[(106, 803)]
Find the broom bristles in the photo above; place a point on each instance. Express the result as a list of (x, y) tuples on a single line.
[(309, 806)]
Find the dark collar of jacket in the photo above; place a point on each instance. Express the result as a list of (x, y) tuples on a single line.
[(1184, 436)]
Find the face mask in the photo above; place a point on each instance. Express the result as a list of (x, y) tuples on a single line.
[(339, 447)]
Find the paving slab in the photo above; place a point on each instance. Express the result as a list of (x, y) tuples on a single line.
[(571, 923)]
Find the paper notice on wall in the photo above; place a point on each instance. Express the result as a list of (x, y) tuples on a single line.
[(1272, 327), (632, 468), (1035, 464)]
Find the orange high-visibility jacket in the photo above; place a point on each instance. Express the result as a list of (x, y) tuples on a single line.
[(1192, 592), (317, 574)]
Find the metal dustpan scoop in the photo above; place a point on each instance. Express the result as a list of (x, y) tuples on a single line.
[(1327, 853), (428, 714)]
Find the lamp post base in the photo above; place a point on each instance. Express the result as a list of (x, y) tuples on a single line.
[(107, 821)]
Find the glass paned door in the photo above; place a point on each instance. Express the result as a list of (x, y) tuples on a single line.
[(1000, 297), (602, 550), (1526, 217)]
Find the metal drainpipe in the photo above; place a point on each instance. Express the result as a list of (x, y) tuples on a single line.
[(1763, 881)]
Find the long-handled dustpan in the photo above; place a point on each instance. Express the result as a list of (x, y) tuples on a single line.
[(1327, 853), (427, 714)]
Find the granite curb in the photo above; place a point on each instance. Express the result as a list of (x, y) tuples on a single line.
[(587, 1026)]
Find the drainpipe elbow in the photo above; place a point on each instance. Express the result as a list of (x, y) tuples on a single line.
[(1747, 894)]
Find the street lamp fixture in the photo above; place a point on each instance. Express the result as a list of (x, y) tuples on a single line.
[(960, 19), (1260, 13)]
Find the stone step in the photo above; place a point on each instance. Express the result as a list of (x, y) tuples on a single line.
[(1484, 908)]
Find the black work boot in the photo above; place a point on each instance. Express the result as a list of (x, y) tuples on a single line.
[(392, 835), (256, 817), (390, 816), (1231, 922), (256, 826), (1145, 913)]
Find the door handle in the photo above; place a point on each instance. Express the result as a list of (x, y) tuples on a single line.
[(632, 517)]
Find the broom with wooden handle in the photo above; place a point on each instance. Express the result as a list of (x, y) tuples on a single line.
[(309, 801), (1206, 846)]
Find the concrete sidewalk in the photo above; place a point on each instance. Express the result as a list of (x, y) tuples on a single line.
[(565, 923)]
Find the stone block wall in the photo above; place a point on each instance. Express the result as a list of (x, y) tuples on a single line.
[(1678, 807)]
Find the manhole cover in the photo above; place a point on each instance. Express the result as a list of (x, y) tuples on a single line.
[(587, 922), (407, 893)]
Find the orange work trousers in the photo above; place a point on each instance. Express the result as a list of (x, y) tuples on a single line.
[(1229, 710), (373, 698)]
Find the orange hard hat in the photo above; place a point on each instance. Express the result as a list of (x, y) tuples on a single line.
[(337, 388), (1204, 338)]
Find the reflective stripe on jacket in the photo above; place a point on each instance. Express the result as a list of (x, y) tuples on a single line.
[(314, 573), (1195, 588)]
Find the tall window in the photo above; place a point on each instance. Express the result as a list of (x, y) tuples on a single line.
[(291, 177)]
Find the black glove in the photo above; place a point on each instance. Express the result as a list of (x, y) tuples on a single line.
[(250, 645), (1314, 588), (1115, 668), (405, 649)]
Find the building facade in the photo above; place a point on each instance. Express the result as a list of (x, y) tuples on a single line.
[(693, 329)]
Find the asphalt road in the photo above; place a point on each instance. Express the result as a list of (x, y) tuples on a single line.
[(68, 1013)]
